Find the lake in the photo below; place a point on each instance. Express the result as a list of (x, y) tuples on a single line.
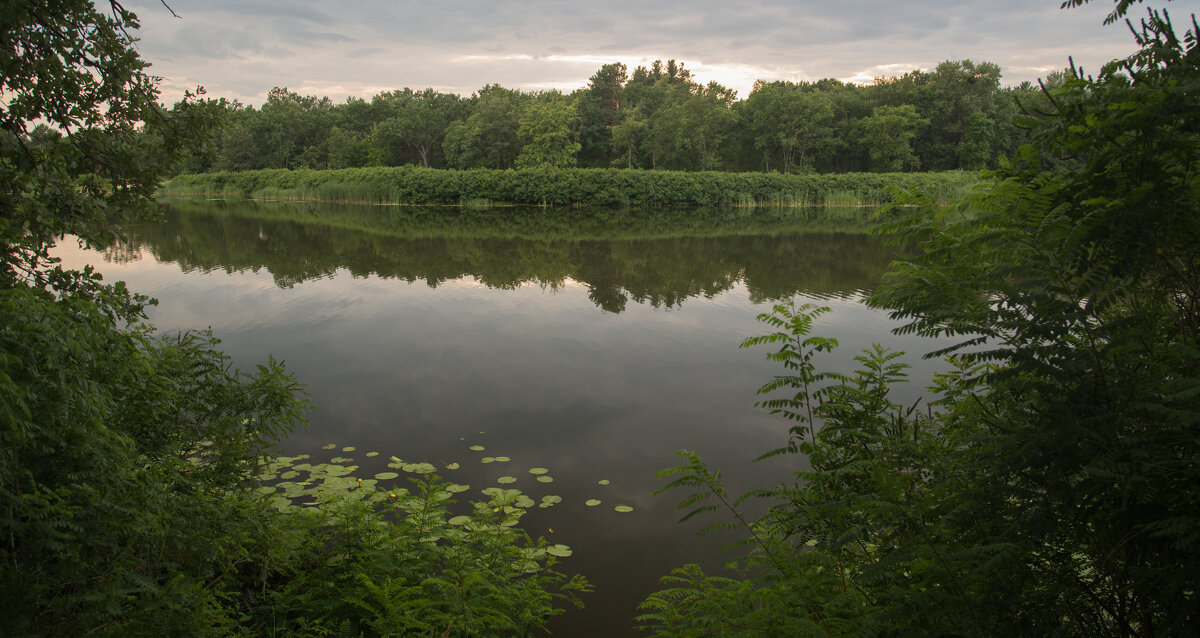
[(590, 343)]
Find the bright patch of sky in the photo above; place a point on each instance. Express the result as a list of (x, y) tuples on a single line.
[(242, 48)]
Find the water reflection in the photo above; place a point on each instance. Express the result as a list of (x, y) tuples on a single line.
[(660, 258)]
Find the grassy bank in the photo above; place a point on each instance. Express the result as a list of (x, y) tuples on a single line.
[(566, 187)]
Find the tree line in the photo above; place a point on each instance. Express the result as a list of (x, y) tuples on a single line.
[(956, 116)]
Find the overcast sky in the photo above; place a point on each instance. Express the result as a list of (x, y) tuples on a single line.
[(242, 48)]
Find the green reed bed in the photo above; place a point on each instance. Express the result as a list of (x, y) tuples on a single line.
[(567, 187)]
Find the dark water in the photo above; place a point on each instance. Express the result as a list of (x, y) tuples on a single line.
[(591, 344)]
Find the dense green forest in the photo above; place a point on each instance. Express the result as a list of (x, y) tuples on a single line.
[(1050, 488), (957, 116)]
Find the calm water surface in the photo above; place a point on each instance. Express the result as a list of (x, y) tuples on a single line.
[(592, 344)]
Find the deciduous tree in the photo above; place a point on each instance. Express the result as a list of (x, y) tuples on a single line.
[(547, 132)]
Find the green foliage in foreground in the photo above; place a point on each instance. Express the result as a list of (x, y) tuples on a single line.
[(855, 544), (567, 186), (1053, 488)]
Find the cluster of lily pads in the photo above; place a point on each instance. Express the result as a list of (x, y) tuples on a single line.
[(541, 475), (295, 480)]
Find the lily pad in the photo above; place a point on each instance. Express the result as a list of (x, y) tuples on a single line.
[(545, 479), (502, 459), (506, 479), (328, 446), (292, 489), (290, 474), (371, 454), (452, 466), (550, 500), (348, 448), (487, 459), (562, 551), (623, 508), (419, 468), (592, 502), (454, 488), (538, 470), (477, 448), (383, 476), (602, 482), (340, 459)]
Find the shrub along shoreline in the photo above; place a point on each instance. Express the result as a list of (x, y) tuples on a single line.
[(567, 187)]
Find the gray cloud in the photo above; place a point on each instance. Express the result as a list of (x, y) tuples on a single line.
[(243, 48)]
